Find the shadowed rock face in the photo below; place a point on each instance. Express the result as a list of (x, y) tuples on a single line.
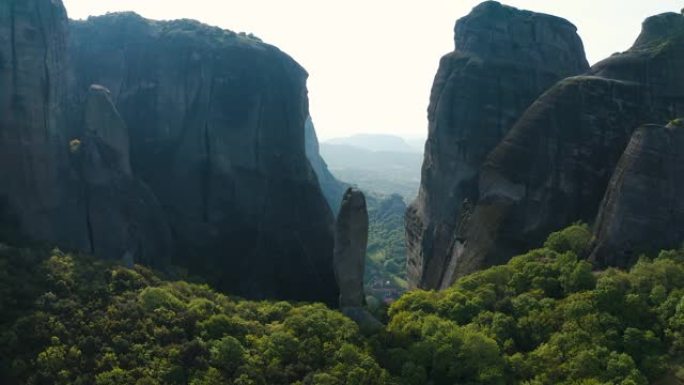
[(216, 123), (197, 152), (642, 210), (351, 239), (553, 167), (504, 59), (34, 197), (72, 193), (124, 219), (333, 189)]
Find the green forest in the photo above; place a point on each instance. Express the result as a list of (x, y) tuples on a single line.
[(544, 318), (385, 270)]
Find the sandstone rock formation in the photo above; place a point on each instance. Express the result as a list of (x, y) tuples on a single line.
[(553, 167), (102, 119), (197, 154), (504, 59), (65, 186), (33, 156), (123, 218), (351, 239), (333, 189), (216, 122), (643, 210)]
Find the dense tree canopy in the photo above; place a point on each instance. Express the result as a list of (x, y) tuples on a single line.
[(69, 320), (544, 318)]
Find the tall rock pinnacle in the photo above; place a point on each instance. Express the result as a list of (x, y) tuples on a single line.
[(351, 239)]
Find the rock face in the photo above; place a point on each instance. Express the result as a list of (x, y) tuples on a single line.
[(33, 156), (553, 167), (102, 119), (216, 125), (196, 154), (333, 189), (123, 218), (351, 239), (65, 186), (504, 59), (642, 210)]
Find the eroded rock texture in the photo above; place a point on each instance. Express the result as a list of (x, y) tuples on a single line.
[(102, 119), (351, 239), (216, 123), (504, 59), (65, 186), (333, 189), (643, 210), (123, 217), (553, 167), (197, 153), (34, 201)]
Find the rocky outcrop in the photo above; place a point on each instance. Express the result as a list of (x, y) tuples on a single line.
[(333, 189), (553, 167), (102, 119), (123, 218), (351, 239), (504, 59), (642, 210), (196, 154), (65, 186), (216, 127)]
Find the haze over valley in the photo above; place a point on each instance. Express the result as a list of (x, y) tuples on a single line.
[(184, 204)]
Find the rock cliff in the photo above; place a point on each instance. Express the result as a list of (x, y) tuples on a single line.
[(191, 149), (504, 59), (124, 220), (553, 167), (642, 210), (217, 129), (34, 198)]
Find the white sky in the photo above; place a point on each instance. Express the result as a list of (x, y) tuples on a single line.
[(371, 62)]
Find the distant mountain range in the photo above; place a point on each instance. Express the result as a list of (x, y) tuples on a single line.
[(384, 164), (381, 142)]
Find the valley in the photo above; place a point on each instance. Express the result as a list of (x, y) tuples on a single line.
[(169, 215)]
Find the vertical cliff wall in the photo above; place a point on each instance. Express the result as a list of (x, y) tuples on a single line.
[(554, 166), (504, 59), (144, 141), (217, 129), (36, 200)]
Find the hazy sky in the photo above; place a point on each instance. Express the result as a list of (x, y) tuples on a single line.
[(371, 62)]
